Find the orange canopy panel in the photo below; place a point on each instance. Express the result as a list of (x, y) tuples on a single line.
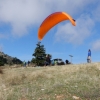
[(51, 21)]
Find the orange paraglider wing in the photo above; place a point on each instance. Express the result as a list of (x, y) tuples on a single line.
[(51, 21)]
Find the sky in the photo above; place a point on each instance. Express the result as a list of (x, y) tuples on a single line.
[(20, 21)]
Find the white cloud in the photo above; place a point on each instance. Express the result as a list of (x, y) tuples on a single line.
[(75, 34), (96, 12), (3, 36), (96, 45), (21, 14)]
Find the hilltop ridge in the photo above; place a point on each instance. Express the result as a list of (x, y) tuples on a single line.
[(6, 59)]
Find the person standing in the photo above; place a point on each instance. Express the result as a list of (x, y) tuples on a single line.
[(89, 56), (89, 52), (24, 63)]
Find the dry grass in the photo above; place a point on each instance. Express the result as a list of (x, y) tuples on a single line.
[(1, 71), (67, 82)]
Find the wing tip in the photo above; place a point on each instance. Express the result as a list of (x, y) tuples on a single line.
[(74, 20), (74, 23)]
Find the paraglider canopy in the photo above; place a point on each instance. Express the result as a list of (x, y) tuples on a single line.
[(51, 21)]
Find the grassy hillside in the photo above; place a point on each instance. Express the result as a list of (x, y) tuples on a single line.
[(68, 82)]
